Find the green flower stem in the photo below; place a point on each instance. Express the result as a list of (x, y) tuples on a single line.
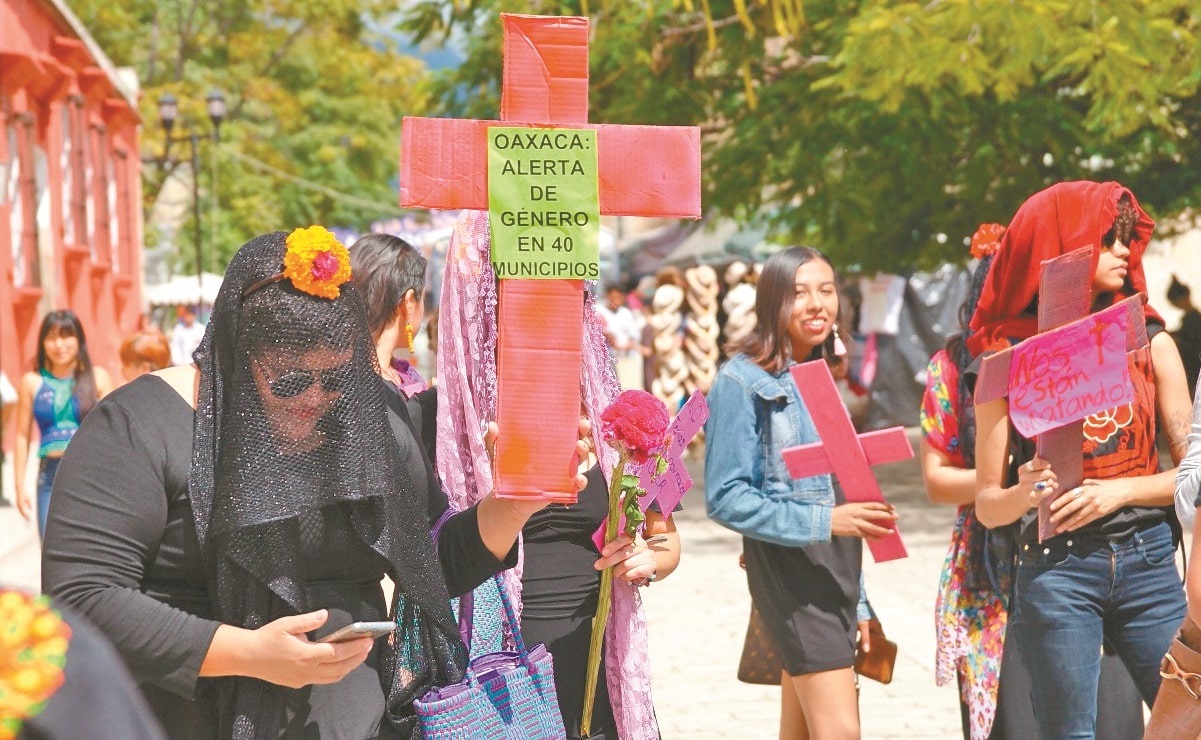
[(604, 598)]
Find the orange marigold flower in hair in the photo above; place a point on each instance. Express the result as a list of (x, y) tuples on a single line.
[(316, 262), (33, 653)]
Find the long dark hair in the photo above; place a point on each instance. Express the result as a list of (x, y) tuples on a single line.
[(957, 350), (769, 345), (66, 322), (385, 267)]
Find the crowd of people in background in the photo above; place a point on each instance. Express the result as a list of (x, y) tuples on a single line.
[(254, 478)]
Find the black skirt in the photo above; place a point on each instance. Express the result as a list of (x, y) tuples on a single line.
[(807, 597)]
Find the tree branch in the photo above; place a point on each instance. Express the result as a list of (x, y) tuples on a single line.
[(271, 63), (700, 26)]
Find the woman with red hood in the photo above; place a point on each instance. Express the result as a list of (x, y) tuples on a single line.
[(1110, 571)]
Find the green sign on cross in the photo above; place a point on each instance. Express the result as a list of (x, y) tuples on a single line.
[(544, 197)]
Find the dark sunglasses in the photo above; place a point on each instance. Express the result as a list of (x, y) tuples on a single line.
[(295, 382)]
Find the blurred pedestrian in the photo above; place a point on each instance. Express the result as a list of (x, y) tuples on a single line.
[(58, 394), (646, 343), (623, 335), (185, 335), (1188, 336), (431, 335), (143, 352)]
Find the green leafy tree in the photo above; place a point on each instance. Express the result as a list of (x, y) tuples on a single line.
[(316, 91), (884, 132)]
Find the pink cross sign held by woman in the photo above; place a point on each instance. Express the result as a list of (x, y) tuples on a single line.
[(844, 453), (642, 171)]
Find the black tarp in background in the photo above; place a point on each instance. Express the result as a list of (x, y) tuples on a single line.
[(929, 313)]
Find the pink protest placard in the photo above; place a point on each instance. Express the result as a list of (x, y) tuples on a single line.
[(669, 487), (1068, 374)]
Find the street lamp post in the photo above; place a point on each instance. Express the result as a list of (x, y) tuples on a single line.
[(215, 103), (168, 112)]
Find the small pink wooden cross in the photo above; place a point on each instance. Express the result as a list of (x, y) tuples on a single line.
[(667, 489), (643, 171), (844, 453), (1074, 367)]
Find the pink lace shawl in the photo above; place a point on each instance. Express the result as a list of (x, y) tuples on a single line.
[(467, 400)]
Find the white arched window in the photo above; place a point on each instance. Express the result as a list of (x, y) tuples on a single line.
[(84, 146), (114, 222), (42, 208), (66, 167), (12, 195), (102, 246), (29, 173)]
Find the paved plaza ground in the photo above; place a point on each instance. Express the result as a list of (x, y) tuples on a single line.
[(698, 621)]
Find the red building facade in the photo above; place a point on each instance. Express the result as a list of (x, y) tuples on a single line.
[(70, 185)]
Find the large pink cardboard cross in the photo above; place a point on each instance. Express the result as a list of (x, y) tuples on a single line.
[(643, 171), (1074, 367), (844, 453)]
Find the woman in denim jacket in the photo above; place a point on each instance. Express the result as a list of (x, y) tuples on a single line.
[(801, 541)]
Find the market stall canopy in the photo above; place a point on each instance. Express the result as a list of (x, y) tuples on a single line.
[(689, 243)]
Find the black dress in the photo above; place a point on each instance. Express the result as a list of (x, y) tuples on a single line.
[(121, 547), (807, 597), (559, 588)]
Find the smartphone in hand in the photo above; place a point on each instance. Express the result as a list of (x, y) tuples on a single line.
[(359, 629)]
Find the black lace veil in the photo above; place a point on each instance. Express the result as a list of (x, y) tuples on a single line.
[(273, 459)]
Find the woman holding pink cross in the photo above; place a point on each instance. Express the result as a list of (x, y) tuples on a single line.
[(803, 544), (1109, 571)]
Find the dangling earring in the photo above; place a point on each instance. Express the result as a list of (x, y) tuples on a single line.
[(840, 349), (409, 337)]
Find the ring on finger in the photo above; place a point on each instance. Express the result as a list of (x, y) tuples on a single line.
[(1077, 493), (1041, 486)]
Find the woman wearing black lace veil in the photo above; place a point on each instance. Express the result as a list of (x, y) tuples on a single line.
[(211, 518)]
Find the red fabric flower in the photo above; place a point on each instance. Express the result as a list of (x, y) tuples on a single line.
[(986, 240), (637, 422), (325, 266)]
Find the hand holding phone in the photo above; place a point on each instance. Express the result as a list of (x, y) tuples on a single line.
[(357, 630)]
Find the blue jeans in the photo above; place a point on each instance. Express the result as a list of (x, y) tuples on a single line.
[(47, 467), (1072, 591)]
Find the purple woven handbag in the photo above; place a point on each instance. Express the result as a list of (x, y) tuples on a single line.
[(508, 694)]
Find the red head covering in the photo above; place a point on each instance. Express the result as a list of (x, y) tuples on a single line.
[(1052, 222)]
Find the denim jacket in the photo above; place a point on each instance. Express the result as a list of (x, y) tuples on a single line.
[(753, 417)]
